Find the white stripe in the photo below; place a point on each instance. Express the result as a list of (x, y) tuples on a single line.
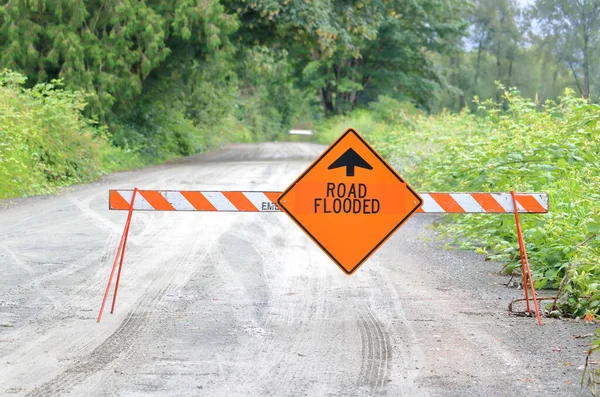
[(506, 201), (219, 201), (519, 206), (177, 200), (140, 201), (257, 199), (467, 201), (429, 204), (126, 194), (542, 199)]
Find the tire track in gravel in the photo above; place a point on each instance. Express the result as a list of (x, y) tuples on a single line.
[(308, 329), (104, 354), (297, 298), (243, 234), (409, 353), (56, 304), (135, 325), (291, 298), (376, 351), (136, 352), (96, 282), (82, 211)]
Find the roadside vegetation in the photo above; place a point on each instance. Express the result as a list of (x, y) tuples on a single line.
[(46, 142)]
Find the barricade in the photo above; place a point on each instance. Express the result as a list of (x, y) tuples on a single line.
[(266, 201), (259, 201)]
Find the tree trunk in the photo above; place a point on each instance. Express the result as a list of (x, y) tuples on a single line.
[(479, 51), (453, 80), (461, 98), (328, 94), (576, 78), (586, 67), (322, 99), (355, 63), (352, 99), (339, 97), (499, 74)]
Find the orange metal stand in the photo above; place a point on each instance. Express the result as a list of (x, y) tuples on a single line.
[(121, 254), (525, 269)]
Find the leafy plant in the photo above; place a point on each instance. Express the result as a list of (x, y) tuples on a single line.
[(45, 142)]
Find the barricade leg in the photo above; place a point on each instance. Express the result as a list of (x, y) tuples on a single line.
[(525, 269), (112, 309), (118, 258)]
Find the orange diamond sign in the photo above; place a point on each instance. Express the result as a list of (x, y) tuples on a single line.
[(349, 201)]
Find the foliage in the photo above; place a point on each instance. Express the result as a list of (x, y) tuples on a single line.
[(391, 111), (349, 52), (532, 71), (541, 49), (572, 27), (181, 116), (107, 49), (272, 102), (45, 142)]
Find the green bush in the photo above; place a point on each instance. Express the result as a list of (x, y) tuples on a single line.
[(393, 112), (45, 142)]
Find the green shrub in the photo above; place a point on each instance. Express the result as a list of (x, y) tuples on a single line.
[(45, 142), (393, 112)]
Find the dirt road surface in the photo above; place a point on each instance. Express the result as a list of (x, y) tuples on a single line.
[(218, 304)]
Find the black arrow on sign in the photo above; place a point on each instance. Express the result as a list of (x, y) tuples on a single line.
[(350, 159)]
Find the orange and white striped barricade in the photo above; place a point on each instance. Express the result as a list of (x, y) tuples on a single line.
[(266, 201), (257, 201)]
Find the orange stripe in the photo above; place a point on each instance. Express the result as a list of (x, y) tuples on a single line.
[(273, 196), (529, 203), (487, 202), (420, 209), (240, 201), (117, 202), (156, 200), (198, 201), (447, 203)]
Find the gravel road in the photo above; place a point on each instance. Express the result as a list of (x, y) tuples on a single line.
[(222, 304)]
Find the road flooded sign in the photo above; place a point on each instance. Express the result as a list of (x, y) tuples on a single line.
[(349, 201)]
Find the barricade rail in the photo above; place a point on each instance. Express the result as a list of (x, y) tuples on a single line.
[(266, 201)]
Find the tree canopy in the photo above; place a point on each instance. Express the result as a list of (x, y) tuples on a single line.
[(108, 48), (350, 52)]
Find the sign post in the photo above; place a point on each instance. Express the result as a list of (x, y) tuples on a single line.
[(349, 201)]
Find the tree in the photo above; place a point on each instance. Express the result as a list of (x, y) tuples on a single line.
[(494, 30), (399, 62), (506, 37), (573, 26), (481, 20), (349, 51), (107, 48)]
